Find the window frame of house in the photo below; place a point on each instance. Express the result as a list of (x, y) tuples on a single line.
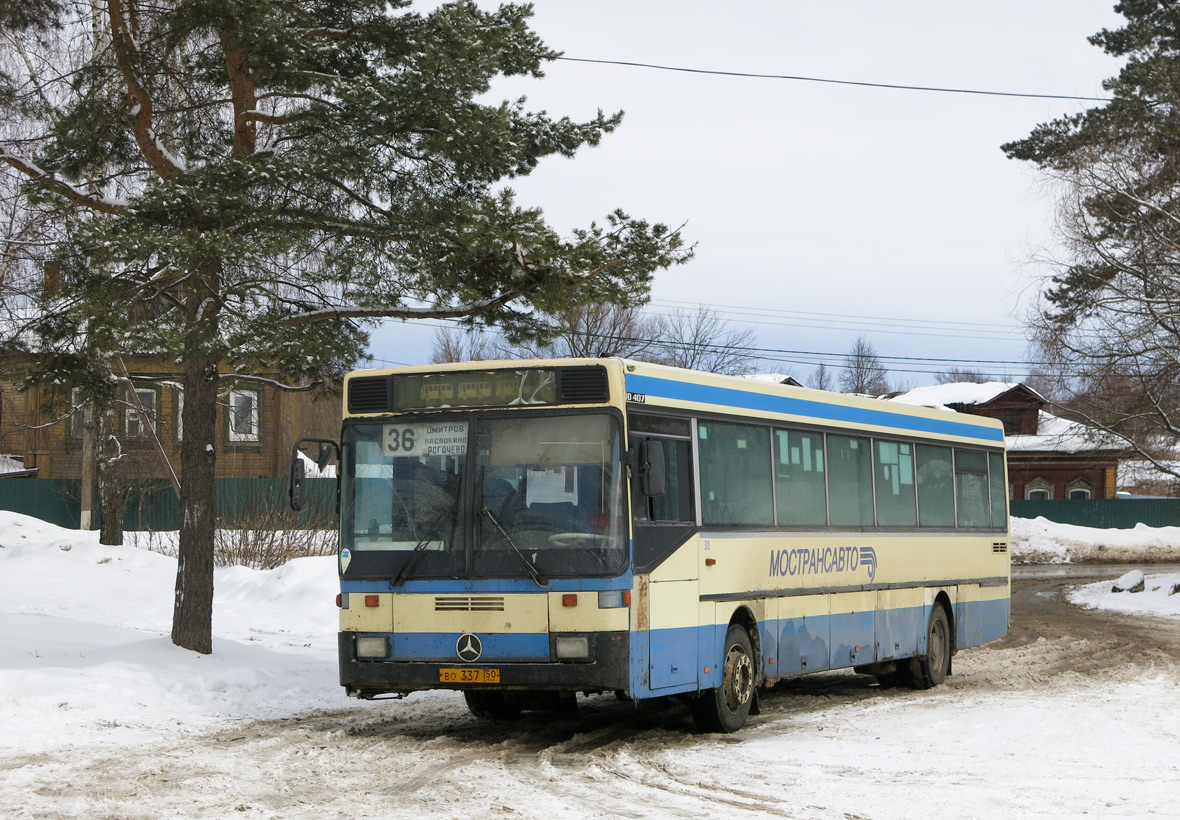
[(131, 411), (233, 436), (1033, 488), (1079, 485)]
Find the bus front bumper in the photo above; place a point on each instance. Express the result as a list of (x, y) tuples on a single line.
[(606, 669)]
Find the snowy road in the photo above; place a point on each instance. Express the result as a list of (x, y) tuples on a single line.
[(1072, 714)]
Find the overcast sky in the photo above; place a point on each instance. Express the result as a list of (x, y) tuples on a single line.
[(821, 212)]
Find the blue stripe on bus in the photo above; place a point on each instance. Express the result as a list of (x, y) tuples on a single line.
[(673, 661), (661, 657), (790, 405), (442, 646)]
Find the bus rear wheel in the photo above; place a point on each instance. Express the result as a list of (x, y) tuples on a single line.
[(726, 708), (930, 670), (491, 705)]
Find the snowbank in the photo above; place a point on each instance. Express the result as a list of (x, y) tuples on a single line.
[(1040, 541), (85, 649), (1156, 599)]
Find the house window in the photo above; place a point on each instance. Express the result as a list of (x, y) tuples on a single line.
[(1013, 422), (243, 415), (1038, 490), (1079, 489), (138, 424)]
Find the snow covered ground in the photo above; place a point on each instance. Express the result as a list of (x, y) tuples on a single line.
[(88, 674)]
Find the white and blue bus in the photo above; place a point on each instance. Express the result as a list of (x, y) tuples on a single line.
[(525, 531)]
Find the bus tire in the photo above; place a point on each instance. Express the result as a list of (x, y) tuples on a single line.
[(726, 708), (491, 705), (929, 670)]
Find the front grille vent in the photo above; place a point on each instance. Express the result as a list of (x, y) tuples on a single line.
[(1000, 546), (582, 385), (368, 394), (469, 603)]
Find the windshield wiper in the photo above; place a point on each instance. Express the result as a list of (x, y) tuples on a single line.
[(416, 553), (538, 579)]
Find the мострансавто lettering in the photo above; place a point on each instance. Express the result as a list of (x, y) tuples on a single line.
[(804, 561)]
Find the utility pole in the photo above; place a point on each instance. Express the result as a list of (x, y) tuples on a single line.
[(89, 466)]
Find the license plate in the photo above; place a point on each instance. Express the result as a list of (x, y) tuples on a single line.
[(469, 675)]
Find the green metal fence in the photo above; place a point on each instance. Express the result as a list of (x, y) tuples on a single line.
[(1104, 513), (55, 500), (239, 502)]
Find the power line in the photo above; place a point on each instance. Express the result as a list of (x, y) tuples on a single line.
[(759, 352), (840, 322), (812, 313), (861, 83)]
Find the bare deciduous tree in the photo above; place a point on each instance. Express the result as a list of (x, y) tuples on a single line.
[(822, 379), (698, 340), (702, 340), (960, 374), (454, 344), (863, 371)]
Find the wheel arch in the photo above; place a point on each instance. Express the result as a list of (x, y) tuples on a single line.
[(943, 599), (744, 617)]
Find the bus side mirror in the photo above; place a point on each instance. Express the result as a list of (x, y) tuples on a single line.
[(298, 470), (653, 479), (295, 482), (325, 456)]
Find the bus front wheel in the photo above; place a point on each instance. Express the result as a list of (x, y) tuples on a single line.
[(726, 708), (491, 705)]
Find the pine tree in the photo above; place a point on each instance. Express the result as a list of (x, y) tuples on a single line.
[(244, 185), (1110, 318)]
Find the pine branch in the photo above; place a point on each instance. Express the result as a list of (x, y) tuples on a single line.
[(127, 55), (61, 187)]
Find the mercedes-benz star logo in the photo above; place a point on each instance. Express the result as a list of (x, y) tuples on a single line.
[(468, 647)]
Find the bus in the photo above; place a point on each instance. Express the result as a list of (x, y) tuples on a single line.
[(528, 531)]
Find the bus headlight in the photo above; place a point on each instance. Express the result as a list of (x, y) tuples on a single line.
[(372, 647), (572, 647)]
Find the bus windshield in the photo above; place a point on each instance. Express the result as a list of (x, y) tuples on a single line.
[(474, 495)]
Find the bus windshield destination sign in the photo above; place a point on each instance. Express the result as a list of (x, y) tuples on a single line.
[(424, 439), (493, 388)]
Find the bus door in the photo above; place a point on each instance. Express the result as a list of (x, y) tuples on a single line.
[(664, 548)]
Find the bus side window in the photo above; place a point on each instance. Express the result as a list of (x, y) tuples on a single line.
[(676, 502), (736, 482)]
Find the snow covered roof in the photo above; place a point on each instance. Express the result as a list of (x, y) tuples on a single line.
[(1058, 435), (968, 393), (13, 466), (773, 378)]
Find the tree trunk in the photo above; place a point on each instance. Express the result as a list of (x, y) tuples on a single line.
[(192, 617), (113, 504), (112, 486)]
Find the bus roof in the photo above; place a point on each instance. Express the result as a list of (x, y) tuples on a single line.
[(643, 386)]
